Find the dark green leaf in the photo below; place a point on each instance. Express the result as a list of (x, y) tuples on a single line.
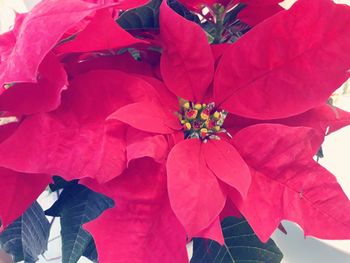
[(27, 237), (241, 246), (231, 16), (90, 251), (147, 17), (60, 183), (183, 11), (144, 17), (76, 206)]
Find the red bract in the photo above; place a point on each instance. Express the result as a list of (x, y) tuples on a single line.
[(161, 147), (142, 224), (279, 77), (257, 11), (60, 130)]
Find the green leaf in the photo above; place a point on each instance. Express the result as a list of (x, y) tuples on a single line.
[(60, 183), (183, 11), (143, 17), (27, 237), (76, 206), (147, 17), (90, 251), (241, 246)]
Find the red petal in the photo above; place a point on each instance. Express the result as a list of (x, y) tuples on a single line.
[(8, 127), (187, 65), (213, 232), (142, 224), (18, 192), (288, 184), (282, 73), (74, 141), (141, 144), (124, 62), (195, 194), (100, 34), (254, 14), (146, 116), (325, 119), (45, 95), (226, 163), (166, 97), (41, 24)]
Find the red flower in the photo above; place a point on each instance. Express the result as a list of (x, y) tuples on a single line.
[(255, 90), (142, 224), (59, 129), (271, 77)]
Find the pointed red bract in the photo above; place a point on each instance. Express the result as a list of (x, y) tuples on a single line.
[(213, 232), (280, 74), (143, 144), (190, 179), (74, 141), (147, 116), (42, 22), (43, 96), (142, 225), (326, 119), (187, 65), (102, 33), (288, 184), (18, 192), (226, 163), (257, 11)]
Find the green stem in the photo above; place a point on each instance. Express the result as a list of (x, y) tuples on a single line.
[(219, 25)]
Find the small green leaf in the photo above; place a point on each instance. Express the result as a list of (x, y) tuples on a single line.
[(147, 17), (90, 251), (60, 183), (143, 17), (241, 246), (76, 206), (27, 237)]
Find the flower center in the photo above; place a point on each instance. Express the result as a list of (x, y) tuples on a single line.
[(201, 121)]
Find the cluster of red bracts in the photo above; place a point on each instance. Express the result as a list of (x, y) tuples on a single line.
[(84, 111)]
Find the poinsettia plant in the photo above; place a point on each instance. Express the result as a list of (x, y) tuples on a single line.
[(160, 123)]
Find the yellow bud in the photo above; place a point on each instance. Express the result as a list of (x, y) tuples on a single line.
[(186, 105), (203, 132), (183, 121), (204, 116), (198, 106), (217, 128), (216, 115), (187, 126)]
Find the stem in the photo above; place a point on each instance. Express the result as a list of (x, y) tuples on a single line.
[(218, 29), (219, 15)]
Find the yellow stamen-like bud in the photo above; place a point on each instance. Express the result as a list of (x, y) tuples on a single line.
[(198, 106), (216, 115), (187, 126), (203, 132), (183, 121), (204, 115), (217, 128), (186, 105)]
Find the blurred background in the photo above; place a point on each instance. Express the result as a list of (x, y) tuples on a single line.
[(295, 247)]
